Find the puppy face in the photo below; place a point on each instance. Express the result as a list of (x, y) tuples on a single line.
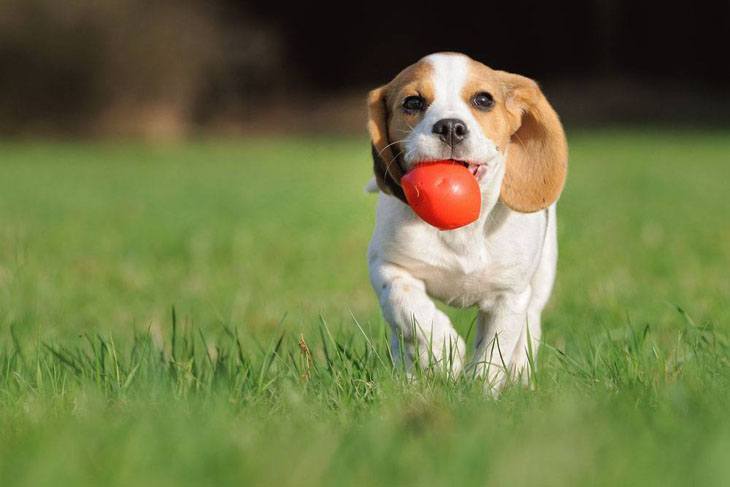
[(445, 108), (448, 106)]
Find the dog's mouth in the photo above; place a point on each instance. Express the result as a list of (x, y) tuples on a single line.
[(477, 170), (473, 168)]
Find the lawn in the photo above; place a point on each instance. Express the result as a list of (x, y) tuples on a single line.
[(200, 314)]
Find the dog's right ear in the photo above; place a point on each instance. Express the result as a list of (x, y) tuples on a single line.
[(385, 166)]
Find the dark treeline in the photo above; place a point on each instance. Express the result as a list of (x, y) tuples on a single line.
[(168, 67), (364, 42)]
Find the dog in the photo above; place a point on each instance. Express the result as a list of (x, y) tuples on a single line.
[(501, 127)]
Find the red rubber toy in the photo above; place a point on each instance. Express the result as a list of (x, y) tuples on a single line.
[(443, 193)]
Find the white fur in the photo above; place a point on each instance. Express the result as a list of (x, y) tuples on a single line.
[(503, 264)]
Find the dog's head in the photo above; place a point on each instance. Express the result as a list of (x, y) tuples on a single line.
[(499, 125)]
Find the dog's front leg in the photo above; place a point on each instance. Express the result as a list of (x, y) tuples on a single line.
[(420, 332), (502, 348)]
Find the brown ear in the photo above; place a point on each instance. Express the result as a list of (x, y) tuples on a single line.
[(537, 156), (385, 164)]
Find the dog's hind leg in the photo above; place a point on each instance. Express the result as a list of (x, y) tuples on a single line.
[(422, 334)]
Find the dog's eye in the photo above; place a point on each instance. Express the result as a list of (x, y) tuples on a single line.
[(414, 103), (483, 100)]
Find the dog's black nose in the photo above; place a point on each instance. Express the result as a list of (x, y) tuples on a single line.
[(451, 130)]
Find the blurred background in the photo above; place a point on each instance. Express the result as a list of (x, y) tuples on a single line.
[(168, 69)]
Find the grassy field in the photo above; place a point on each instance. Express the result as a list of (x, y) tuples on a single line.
[(201, 315)]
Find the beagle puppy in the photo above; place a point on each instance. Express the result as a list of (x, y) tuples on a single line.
[(500, 126)]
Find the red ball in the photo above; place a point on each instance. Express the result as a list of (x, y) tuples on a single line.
[(443, 193)]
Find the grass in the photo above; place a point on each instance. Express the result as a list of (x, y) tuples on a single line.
[(186, 315)]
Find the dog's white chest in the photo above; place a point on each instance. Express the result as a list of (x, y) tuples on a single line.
[(462, 267)]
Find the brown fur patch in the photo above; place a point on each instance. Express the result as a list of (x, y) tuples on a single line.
[(388, 123), (495, 123)]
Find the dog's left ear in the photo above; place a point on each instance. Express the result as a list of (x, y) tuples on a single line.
[(537, 156), (385, 165)]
